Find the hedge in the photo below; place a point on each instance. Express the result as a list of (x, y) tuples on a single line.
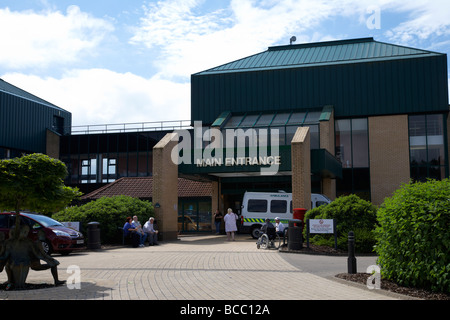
[(110, 213), (413, 239), (352, 214)]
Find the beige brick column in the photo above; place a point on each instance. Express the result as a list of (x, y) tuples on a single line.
[(327, 142), (52, 144), (389, 155), (301, 169), (165, 186)]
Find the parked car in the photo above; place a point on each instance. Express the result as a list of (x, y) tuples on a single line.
[(58, 238)]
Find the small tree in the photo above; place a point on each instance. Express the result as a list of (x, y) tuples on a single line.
[(33, 182)]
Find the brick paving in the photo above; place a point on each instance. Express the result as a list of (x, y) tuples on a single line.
[(192, 268)]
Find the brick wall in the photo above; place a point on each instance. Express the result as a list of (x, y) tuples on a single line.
[(165, 186), (301, 169), (389, 155), (327, 141)]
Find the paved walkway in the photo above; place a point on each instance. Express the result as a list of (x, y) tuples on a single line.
[(199, 268)]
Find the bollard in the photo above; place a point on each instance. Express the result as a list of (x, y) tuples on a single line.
[(351, 260)]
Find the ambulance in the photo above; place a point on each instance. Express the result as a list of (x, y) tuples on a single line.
[(258, 206)]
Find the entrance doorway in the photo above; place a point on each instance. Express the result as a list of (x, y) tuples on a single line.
[(194, 215)]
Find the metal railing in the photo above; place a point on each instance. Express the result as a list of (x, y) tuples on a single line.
[(131, 127)]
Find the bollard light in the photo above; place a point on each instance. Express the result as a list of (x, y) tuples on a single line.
[(351, 260)]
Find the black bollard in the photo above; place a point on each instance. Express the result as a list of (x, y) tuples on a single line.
[(351, 261)]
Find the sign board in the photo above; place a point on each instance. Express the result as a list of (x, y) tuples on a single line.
[(73, 225), (327, 226), (321, 226)]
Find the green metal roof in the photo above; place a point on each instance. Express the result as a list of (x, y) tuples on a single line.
[(321, 53), (13, 90)]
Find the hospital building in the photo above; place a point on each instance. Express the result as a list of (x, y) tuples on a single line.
[(355, 116)]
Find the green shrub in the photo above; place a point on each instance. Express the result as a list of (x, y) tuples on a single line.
[(351, 214), (110, 213), (413, 239)]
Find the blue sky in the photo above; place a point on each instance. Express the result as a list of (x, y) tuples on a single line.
[(115, 61)]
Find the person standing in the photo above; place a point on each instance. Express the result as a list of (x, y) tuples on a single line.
[(230, 224), (217, 220)]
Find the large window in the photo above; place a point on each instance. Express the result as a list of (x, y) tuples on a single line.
[(260, 127), (352, 149), (89, 170), (427, 147), (352, 143)]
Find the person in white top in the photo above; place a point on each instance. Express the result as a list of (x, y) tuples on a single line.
[(151, 229), (139, 231), (230, 224), (279, 227)]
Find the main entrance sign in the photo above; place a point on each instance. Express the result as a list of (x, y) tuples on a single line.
[(239, 161), (241, 148)]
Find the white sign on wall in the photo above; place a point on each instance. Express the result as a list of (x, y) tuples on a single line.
[(321, 226)]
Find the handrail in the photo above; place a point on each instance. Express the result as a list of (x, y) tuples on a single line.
[(131, 127)]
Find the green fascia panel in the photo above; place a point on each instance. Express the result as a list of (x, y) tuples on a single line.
[(284, 153), (324, 164)]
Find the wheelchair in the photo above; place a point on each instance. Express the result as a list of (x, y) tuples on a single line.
[(269, 240)]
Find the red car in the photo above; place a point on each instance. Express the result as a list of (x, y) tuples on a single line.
[(58, 238)]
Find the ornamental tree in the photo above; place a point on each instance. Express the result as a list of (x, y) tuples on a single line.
[(34, 182)]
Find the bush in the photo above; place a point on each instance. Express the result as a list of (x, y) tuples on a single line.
[(110, 213), (413, 239), (352, 214)]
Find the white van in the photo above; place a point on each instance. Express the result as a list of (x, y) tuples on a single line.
[(257, 206)]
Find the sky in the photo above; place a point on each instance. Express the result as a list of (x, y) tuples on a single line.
[(116, 61)]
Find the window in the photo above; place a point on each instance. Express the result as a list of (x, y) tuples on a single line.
[(352, 149), (58, 124), (89, 170), (352, 143), (285, 124), (427, 147), (257, 205), (108, 170), (278, 206)]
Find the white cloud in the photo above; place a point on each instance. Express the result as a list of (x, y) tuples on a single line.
[(186, 40), (428, 19), (192, 42), (99, 96), (38, 40)]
